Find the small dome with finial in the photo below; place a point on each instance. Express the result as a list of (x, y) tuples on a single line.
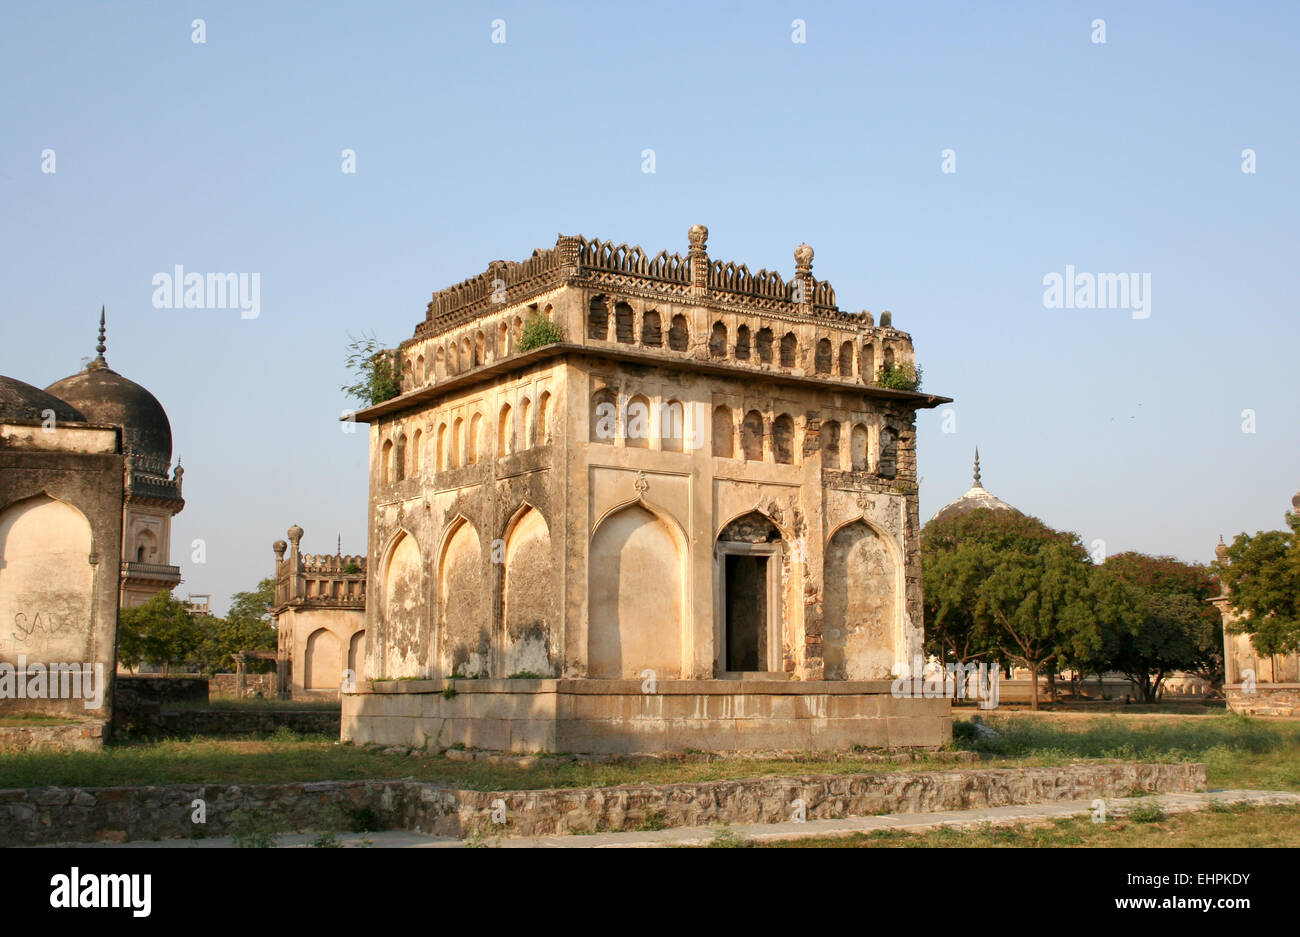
[(295, 534), (803, 256), (698, 235), (105, 396), (977, 497), (1221, 551)]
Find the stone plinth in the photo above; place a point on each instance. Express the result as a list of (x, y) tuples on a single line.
[(617, 717), (1268, 699)]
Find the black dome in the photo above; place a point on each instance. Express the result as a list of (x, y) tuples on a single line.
[(21, 401), (105, 396)]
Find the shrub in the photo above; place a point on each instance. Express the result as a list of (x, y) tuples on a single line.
[(255, 829), (539, 331), (900, 376), (1146, 813), (376, 379)]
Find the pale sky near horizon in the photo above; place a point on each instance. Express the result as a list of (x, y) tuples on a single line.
[(1125, 156)]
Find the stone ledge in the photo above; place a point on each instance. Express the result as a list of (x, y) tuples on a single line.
[(721, 687)]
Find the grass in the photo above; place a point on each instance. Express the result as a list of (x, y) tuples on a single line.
[(1240, 751), (36, 719), (1221, 826)]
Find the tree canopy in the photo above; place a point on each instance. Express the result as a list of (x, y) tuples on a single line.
[(1002, 584), (161, 632), (1155, 619), (1263, 576)]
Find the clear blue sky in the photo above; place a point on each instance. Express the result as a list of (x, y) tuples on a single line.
[(1122, 157)]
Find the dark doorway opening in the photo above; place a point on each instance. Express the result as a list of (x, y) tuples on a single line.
[(745, 583)]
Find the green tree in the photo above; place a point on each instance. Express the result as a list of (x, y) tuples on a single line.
[(1263, 577), (1004, 580), (376, 377), (1157, 619), (246, 627), (161, 632)]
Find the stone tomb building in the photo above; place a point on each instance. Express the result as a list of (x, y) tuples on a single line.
[(61, 495), (153, 486), (689, 522), (320, 619)]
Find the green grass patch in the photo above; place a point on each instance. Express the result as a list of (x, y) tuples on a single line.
[(1237, 825), (1239, 751), (27, 720)]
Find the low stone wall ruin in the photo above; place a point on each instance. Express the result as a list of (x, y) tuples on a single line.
[(46, 815)]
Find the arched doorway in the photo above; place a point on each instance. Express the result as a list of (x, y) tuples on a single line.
[(747, 596)]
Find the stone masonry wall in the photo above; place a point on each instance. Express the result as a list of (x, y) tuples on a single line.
[(44, 815), (1277, 700)]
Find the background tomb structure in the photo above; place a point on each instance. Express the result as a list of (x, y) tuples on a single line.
[(689, 522), (153, 487), (320, 619), (1275, 687)]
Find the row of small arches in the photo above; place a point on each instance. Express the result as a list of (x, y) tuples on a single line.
[(736, 435), (462, 441), (745, 345), (467, 351)]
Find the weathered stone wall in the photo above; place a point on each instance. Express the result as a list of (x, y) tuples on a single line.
[(83, 737), (1277, 699), (152, 720), (771, 800), (226, 685), (164, 689), (46, 815), (61, 496), (626, 716)]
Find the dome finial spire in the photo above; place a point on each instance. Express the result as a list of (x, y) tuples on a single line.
[(977, 468), (99, 362)]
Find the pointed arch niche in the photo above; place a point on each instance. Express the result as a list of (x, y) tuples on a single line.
[(401, 608), (47, 582), (462, 612), (635, 595), (860, 604), (528, 596)]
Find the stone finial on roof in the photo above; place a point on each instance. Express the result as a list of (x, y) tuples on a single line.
[(977, 468), (699, 236), (803, 258), (295, 535), (279, 547), (1221, 551), (99, 361)]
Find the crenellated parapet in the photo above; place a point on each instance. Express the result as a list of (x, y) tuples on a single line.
[(600, 293), (317, 580)]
